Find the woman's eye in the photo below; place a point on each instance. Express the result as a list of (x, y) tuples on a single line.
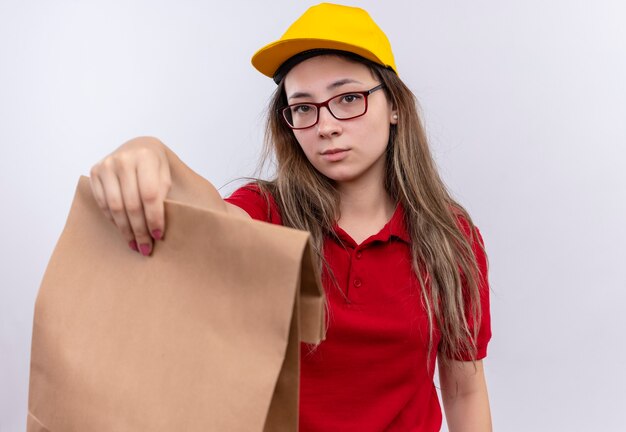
[(350, 98), (301, 109)]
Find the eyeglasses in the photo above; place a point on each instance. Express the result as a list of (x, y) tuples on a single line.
[(344, 106)]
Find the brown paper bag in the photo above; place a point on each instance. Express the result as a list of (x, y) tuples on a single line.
[(202, 336)]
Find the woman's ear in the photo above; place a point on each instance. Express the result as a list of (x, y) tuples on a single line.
[(394, 117)]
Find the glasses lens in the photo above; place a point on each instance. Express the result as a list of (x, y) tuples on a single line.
[(300, 116), (347, 105)]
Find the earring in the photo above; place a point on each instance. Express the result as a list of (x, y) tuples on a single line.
[(395, 116)]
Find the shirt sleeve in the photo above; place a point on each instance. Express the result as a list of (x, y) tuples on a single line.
[(261, 207), (484, 331)]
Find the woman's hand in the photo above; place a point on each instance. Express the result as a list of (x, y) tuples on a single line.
[(130, 186)]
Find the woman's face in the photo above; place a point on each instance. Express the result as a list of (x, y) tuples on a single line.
[(342, 150)]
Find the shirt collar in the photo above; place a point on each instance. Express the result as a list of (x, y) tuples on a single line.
[(396, 227)]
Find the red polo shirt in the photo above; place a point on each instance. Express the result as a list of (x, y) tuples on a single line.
[(371, 373)]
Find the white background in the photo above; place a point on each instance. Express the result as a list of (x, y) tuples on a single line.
[(525, 106)]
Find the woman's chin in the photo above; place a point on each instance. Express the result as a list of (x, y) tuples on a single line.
[(340, 176)]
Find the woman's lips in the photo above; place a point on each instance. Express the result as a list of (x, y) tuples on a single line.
[(334, 155)]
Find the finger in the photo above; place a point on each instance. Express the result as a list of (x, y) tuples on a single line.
[(134, 210), (115, 204), (98, 194), (153, 179)]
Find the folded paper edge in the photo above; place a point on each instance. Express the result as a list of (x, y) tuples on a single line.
[(312, 300), (34, 425)]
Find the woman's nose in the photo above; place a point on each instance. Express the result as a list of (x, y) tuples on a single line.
[(327, 124)]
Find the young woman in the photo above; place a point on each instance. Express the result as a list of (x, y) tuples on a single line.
[(403, 265)]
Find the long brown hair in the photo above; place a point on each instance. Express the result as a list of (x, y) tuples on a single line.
[(442, 255)]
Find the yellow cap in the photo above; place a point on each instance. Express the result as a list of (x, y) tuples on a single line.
[(327, 26)]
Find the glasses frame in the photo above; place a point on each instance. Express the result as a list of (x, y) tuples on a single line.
[(320, 105)]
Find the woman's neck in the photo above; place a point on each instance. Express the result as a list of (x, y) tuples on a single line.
[(365, 207)]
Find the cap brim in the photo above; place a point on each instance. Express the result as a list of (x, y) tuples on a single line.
[(268, 59)]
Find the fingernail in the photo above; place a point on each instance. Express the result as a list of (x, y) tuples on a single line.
[(133, 245), (145, 249), (157, 234)]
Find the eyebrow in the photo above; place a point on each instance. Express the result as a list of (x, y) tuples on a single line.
[(331, 86)]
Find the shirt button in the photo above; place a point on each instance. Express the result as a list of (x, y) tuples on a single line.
[(359, 254), (357, 283)]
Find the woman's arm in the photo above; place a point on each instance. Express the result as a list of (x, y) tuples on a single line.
[(464, 396), (131, 184)]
